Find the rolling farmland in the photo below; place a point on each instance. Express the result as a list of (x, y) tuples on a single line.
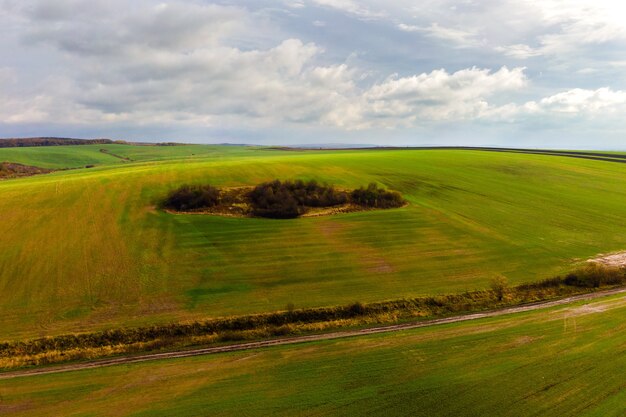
[(561, 362), (88, 249), (312, 208)]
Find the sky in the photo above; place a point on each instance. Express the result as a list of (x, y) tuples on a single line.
[(548, 73)]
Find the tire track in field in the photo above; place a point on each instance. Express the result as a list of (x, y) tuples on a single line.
[(308, 338)]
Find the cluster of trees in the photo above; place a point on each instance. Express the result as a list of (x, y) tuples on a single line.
[(282, 199), (192, 197), (373, 196), (25, 142), (290, 199)]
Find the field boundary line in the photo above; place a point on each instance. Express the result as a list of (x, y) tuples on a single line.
[(307, 338)]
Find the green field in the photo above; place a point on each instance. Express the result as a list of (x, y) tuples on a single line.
[(87, 249), (567, 361), (77, 156)]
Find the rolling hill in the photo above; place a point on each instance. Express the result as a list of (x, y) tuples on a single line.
[(88, 249)]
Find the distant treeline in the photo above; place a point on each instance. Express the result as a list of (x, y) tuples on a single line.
[(283, 199), (28, 142)]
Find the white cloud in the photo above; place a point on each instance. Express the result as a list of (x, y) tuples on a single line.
[(439, 95), (568, 27), (409, 28), (459, 37), (582, 101), (217, 81), (193, 63), (577, 105), (519, 51), (173, 62), (294, 4), (439, 85), (351, 7)]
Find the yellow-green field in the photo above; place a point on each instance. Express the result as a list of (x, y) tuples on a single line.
[(87, 249), (567, 361)]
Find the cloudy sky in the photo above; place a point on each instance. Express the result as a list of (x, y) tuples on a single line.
[(548, 73)]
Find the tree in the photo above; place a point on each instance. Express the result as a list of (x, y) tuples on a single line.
[(372, 196), (193, 197), (500, 286)]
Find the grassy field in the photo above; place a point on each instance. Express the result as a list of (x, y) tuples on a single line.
[(77, 156), (567, 361), (87, 249)]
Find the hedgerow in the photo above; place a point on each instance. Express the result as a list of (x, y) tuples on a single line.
[(293, 321)]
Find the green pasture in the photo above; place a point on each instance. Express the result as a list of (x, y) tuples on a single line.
[(88, 249), (58, 157), (567, 361), (77, 156)]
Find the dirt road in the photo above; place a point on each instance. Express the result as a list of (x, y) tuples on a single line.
[(303, 339)]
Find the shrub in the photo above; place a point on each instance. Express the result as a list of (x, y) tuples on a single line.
[(193, 197), (553, 282), (372, 196), (594, 275), (500, 286), (357, 309)]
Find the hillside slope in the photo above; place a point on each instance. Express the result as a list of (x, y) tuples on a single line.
[(565, 362), (87, 249)]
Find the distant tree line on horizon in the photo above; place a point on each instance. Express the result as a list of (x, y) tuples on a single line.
[(46, 141), (284, 200)]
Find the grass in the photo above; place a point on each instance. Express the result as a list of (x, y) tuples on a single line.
[(559, 362), (58, 157), (77, 156), (85, 250)]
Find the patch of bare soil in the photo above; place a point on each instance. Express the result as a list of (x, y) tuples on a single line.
[(585, 309), (329, 211), (617, 259), (14, 170)]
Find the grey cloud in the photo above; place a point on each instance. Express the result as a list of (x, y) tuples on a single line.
[(108, 30), (201, 65)]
